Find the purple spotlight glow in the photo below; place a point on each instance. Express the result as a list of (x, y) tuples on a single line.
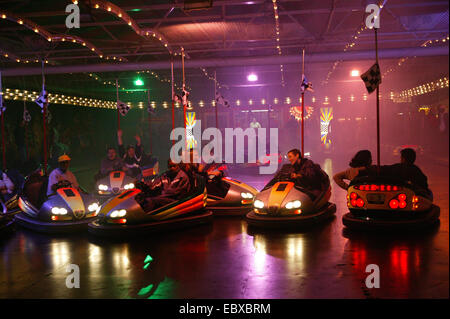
[(252, 77)]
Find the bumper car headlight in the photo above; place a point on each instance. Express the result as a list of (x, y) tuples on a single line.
[(118, 213), (102, 187), (247, 195), (258, 204), (293, 204), (93, 207), (59, 211), (129, 186)]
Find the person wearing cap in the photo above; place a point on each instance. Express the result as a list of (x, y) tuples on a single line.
[(133, 155), (60, 174)]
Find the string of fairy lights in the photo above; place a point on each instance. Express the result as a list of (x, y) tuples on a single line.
[(277, 36), (425, 88), (17, 59), (205, 73), (425, 44), (352, 43), (54, 37), (122, 15), (348, 46), (54, 98)]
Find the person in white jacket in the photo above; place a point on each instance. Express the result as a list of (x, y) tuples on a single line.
[(60, 174)]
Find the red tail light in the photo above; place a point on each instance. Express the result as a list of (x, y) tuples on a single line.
[(402, 197), (402, 204), (353, 195), (393, 204), (353, 202), (359, 202)]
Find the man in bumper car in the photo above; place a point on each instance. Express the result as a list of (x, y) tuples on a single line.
[(407, 171), (169, 187), (304, 173), (111, 163), (132, 157), (60, 175)]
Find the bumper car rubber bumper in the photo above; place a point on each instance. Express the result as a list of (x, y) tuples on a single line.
[(54, 227), (425, 220), (108, 230), (299, 221)]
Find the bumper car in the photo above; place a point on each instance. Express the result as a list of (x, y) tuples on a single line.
[(286, 205), (66, 211), (228, 197), (113, 184), (385, 203), (123, 215)]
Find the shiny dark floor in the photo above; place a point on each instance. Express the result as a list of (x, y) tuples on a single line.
[(228, 260)]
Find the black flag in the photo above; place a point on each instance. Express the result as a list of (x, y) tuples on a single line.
[(372, 78)]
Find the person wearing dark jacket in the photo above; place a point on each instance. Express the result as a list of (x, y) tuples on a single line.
[(304, 173), (132, 157), (407, 170), (171, 186)]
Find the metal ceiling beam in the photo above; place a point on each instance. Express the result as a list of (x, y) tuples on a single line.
[(219, 17), (228, 3), (229, 62)]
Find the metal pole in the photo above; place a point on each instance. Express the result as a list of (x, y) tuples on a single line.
[(215, 95), (303, 105), (378, 104), (44, 112), (184, 104), (117, 97), (173, 95), (149, 121), (3, 125)]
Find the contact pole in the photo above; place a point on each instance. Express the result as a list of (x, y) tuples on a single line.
[(173, 96), (26, 134), (117, 98), (149, 121), (303, 105), (185, 99), (215, 95), (2, 124), (44, 113), (378, 104)]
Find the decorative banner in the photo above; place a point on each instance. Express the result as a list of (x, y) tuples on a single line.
[(372, 78), (122, 107), (326, 115), (185, 97), (220, 100), (190, 123), (305, 85), (296, 112), (42, 99)]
